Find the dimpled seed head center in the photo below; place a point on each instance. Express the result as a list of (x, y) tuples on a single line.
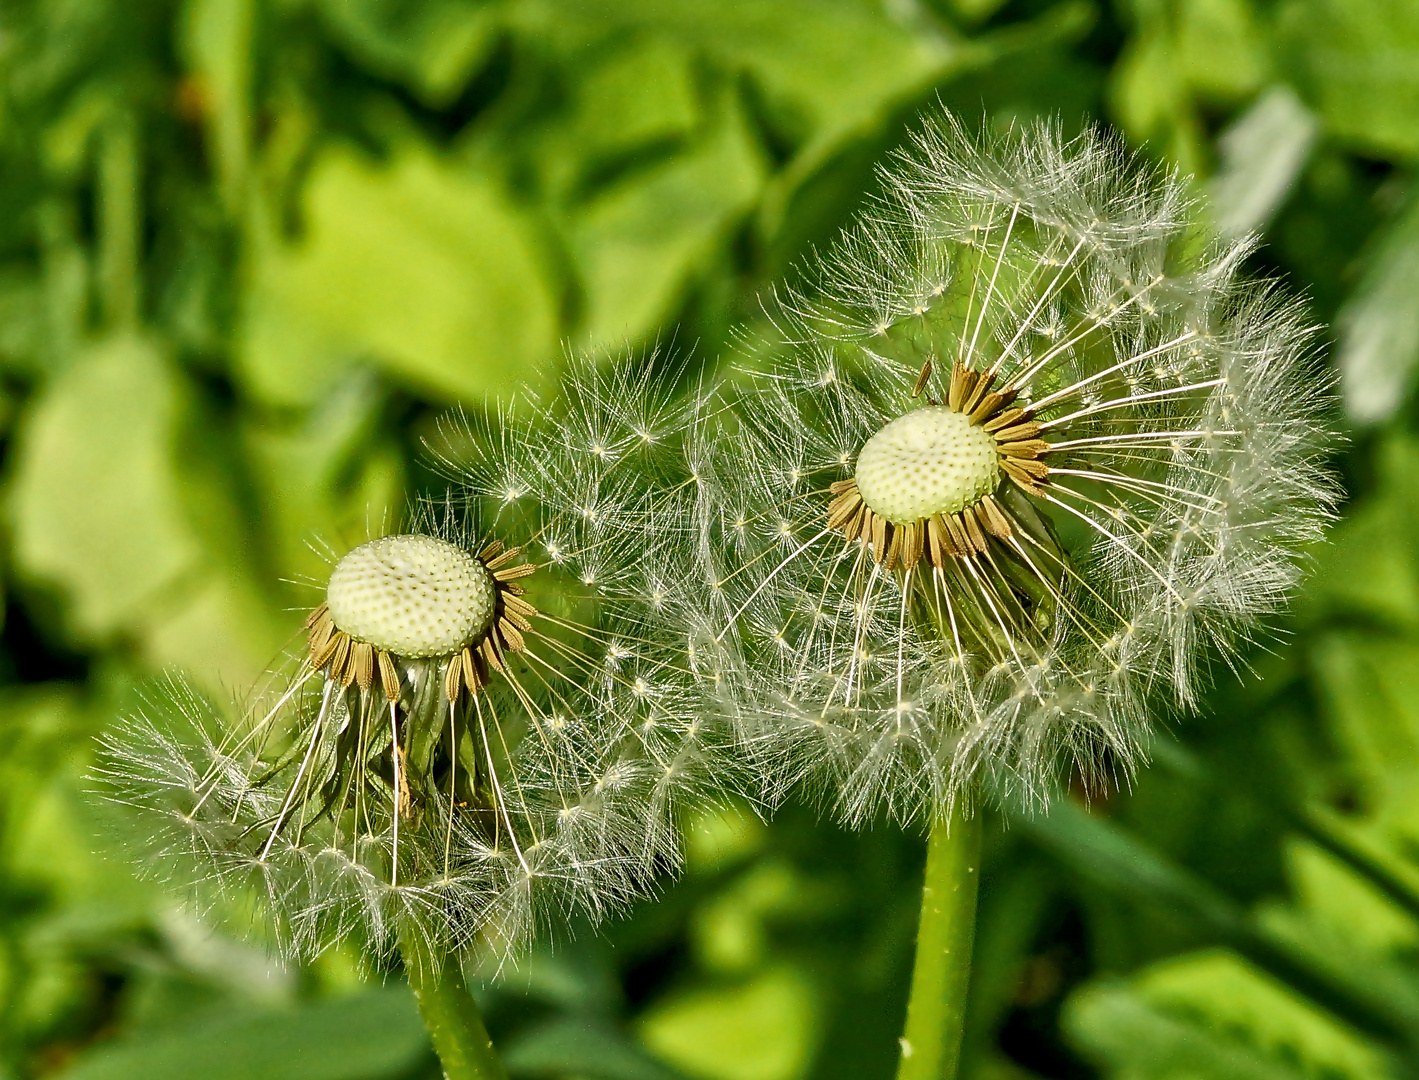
[(931, 461), (412, 596)]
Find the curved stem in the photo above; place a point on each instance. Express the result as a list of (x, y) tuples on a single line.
[(941, 977), (449, 1012)]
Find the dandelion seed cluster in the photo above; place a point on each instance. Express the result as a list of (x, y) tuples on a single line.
[(1026, 446), (469, 745)]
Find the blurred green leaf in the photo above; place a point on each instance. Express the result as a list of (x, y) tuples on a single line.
[(108, 505), (1184, 53), (366, 1037), (1362, 992), (643, 94), (582, 1048), (823, 71), (1379, 325), (1213, 1015), (325, 477), (1370, 686), (1220, 48), (413, 264), (764, 1029), (216, 38), (1263, 152), (639, 243), (1360, 65), (1370, 568), (433, 47)]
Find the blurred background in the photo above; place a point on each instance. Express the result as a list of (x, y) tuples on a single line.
[(250, 250)]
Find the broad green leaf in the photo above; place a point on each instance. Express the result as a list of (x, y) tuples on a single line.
[(1180, 53), (48, 827), (326, 478), (1379, 325), (425, 269), (1220, 50), (1359, 63), (109, 507), (1343, 904), (1370, 567), (640, 95), (1212, 1015), (1370, 686), (719, 836), (824, 70), (765, 1029), (367, 1037), (639, 243), (95, 505), (1150, 99)]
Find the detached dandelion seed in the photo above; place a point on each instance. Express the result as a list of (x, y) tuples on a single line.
[(1027, 447)]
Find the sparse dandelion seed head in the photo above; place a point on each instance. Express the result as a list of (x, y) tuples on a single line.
[(469, 743)]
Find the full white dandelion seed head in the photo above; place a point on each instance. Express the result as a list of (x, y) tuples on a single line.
[(413, 596), (928, 579), (930, 461)]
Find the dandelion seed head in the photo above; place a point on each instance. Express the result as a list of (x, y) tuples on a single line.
[(472, 743), (1068, 456)]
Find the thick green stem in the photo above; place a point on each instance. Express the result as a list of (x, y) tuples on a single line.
[(451, 1015), (936, 1013)]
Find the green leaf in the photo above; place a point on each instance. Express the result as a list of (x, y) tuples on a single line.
[(1263, 152), (1370, 686), (110, 505), (1213, 1015), (1370, 568), (1220, 51), (582, 1048), (95, 506), (1360, 64), (640, 95), (322, 476), (366, 1037), (432, 46), (1379, 325), (823, 71), (216, 39), (639, 243), (761, 1030), (425, 269)]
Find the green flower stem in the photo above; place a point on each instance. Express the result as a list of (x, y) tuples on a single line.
[(936, 1013), (461, 1041)]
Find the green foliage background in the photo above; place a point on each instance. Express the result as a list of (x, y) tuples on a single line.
[(249, 249)]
